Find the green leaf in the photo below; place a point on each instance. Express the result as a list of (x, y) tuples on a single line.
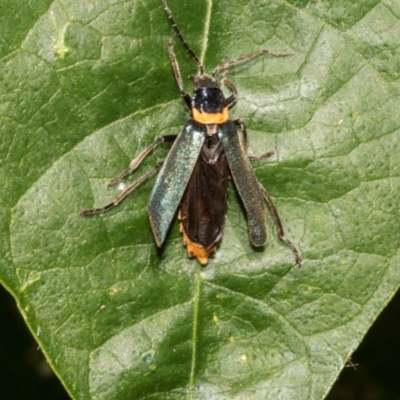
[(86, 85)]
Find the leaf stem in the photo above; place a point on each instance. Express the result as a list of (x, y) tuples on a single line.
[(206, 31)]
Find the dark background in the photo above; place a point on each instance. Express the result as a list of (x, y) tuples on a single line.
[(373, 373)]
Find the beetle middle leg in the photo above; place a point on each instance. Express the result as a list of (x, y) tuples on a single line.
[(242, 127), (138, 160), (123, 195), (132, 167)]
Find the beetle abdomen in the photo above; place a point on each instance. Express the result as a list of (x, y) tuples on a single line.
[(204, 203)]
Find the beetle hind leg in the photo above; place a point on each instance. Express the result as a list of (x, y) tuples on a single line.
[(279, 226)]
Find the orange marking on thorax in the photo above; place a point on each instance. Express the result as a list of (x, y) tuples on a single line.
[(210, 118)]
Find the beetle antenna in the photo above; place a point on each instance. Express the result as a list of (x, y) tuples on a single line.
[(179, 34)]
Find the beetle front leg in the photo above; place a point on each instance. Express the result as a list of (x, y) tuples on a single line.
[(228, 63), (177, 73)]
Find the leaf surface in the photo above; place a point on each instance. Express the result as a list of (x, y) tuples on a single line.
[(85, 86)]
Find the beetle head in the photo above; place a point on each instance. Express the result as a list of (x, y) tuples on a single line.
[(204, 81)]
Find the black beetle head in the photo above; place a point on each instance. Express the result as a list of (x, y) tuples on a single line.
[(208, 100)]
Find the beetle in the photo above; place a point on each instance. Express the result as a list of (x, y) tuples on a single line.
[(193, 179)]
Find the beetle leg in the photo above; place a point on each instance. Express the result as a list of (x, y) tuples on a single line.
[(232, 98), (262, 156), (136, 162), (123, 195), (227, 63), (241, 125), (177, 73), (279, 227)]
